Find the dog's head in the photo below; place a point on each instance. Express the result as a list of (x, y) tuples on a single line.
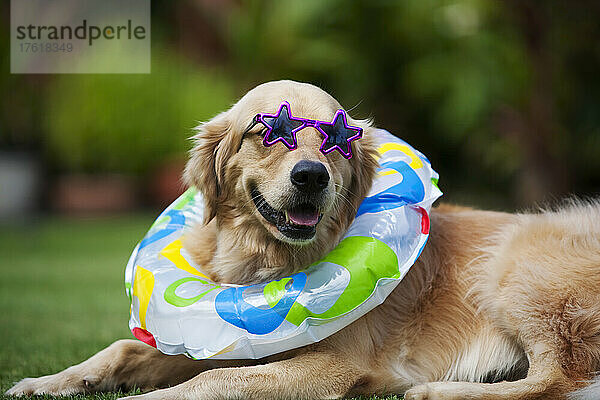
[(298, 196)]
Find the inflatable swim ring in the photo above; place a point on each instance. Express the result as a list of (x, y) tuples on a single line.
[(176, 308)]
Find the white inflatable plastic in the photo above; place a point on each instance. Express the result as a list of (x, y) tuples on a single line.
[(176, 308)]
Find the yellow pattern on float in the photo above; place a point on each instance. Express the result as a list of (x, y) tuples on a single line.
[(415, 161), (172, 252), (143, 284)]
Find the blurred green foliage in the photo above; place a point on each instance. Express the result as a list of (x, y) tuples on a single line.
[(503, 97), (130, 123)]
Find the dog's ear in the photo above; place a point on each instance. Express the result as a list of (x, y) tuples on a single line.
[(205, 169)]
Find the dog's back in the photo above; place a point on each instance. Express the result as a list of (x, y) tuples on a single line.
[(498, 292), (554, 268)]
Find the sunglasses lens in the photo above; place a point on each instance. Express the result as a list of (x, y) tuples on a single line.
[(281, 128), (335, 137), (338, 136)]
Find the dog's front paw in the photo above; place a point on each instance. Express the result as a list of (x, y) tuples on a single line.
[(416, 393), (440, 391), (60, 384), (421, 392)]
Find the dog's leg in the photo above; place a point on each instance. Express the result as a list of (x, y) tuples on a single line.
[(312, 375), (545, 380), (123, 365)]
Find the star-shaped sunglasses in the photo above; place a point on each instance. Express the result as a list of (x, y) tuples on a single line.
[(283, 126)]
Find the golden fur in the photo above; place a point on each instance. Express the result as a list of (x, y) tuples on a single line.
[(498, 306), (236, 245)]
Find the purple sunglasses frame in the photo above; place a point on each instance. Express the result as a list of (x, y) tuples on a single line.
[(306, 122)]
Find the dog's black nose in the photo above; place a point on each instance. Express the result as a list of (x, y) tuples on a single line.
[(309, 176)]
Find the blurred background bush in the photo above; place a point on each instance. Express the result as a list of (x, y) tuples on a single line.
[(503, 97)]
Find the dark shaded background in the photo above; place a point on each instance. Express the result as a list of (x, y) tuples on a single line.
[(503, 97)]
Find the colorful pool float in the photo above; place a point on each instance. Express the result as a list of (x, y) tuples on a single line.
[(179, 310)]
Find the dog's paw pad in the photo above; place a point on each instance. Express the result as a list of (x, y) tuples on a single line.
[(91, 381)]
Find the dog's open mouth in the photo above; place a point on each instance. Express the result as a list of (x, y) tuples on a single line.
[(298, 222)]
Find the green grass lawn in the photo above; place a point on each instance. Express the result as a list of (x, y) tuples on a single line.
[(62, 296)]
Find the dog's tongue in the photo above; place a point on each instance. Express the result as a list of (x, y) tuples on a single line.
[(304, 217)]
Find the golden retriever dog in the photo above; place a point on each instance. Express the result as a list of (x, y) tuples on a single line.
[(498, 306)]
